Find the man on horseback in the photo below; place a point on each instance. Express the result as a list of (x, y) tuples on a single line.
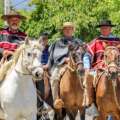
[(97, 47), (44, 41), (43, 86), (11, 36), (59, 57)]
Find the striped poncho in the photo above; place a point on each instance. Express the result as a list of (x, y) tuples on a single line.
[(10, 40), (96, 49)]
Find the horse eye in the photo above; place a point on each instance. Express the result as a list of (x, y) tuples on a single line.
[(29, 54)]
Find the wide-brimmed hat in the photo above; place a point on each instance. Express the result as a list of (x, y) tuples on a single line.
[(106, 23), (12, 13), (68, 24)]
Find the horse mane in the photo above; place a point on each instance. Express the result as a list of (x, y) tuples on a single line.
[(7, 66)]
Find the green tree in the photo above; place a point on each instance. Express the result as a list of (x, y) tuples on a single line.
[(1, 11), (49, 15)]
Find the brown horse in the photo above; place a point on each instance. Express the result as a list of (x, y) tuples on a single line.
[(71, 84), (107, 86)]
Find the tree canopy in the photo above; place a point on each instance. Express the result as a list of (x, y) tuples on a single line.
[(1, 12), (49, 15)]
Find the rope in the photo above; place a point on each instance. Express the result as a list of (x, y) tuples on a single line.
[(3, 60), (95, 81)]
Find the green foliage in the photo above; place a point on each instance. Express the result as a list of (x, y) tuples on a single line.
[(49, 15), (1, 12), (1, 23), (1, 6)]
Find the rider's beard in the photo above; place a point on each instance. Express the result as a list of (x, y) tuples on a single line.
[(14, 27)]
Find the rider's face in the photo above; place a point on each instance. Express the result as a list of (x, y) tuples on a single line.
[(68, 31), (45, 41), (14, 23), (105, 30)]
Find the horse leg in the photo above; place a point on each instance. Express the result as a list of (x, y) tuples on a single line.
[(10, 117), (102, 116), (72, 114), (63, 113), (116, 116), (58, 115), (32, 116), (82, 114)]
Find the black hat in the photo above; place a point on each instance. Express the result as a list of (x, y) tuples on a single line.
[(106, 23), (45, 34)]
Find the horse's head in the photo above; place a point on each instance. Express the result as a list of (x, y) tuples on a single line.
[(76, 53), (111, 58), (30, 58)]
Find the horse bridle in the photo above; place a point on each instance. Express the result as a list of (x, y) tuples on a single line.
[(69, 67), (29, 71)]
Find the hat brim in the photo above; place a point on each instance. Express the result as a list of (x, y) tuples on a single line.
[(98, 26), (5, 17), (68, 26)]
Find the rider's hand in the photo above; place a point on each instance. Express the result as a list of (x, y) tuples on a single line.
[(67, 60), (45, 67), (6, 53)]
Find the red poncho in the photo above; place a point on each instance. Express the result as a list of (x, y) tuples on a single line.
[(9, 40), (8, 46), (97, 47)]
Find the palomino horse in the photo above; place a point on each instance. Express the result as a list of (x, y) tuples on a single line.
[(107, 86), (18, 96), (71, 87)]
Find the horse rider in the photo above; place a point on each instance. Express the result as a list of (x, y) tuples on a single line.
[(98, 45), (96, 49), (59, 56), (43, 60), (11, 36), (45, 53)]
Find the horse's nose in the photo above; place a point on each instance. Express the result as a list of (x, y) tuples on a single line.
[(112, 69), (37, 74)]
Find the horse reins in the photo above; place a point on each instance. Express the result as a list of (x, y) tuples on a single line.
[(20, 72), (74, 70)]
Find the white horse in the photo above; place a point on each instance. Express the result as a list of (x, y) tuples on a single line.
[(18, 96)]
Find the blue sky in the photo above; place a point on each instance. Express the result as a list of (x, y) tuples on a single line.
[(21, 4)]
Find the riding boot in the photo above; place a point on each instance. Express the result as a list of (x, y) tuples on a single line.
[(55, 87)]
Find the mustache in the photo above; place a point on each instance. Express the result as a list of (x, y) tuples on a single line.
[(14, 24)]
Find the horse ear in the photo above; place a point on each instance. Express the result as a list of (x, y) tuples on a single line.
[(27, 41), (40, 40)]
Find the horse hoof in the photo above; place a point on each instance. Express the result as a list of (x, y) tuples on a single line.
[(58, 104)]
